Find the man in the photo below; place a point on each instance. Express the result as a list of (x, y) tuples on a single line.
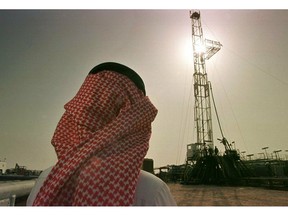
[(101, 141)]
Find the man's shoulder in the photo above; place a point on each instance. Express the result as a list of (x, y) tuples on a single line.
[(151, 190), (46, 172), (149, 179)]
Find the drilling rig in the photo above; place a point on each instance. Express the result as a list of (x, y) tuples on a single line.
[(204, 164)]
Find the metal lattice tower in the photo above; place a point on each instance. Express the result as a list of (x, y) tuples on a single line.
[(204, 165), (203, 50)]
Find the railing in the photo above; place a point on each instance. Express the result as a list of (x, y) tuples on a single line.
[(11, 190)]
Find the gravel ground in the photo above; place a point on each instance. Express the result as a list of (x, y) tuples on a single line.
[(206, 195)]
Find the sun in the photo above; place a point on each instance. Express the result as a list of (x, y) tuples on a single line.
[(187, 50), (200, 48)]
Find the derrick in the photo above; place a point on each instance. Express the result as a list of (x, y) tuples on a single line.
[(204, 163)]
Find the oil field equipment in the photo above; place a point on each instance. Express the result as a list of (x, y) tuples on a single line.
[(204, 164)]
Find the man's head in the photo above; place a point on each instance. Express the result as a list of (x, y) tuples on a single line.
[(109, 88), (101, 140), (121, 69)]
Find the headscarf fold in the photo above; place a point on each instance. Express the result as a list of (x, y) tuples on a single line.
[(100, 141)]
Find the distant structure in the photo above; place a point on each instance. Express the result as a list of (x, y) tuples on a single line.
[(3, 167)]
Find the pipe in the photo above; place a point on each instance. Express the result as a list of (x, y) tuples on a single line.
[(17, 188)]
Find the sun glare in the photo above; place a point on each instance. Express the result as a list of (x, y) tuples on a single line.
[(187, 50), (200, 48)]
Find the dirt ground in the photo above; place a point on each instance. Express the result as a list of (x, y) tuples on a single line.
[(206, 195)]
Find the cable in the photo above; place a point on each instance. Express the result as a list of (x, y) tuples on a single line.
[(249, 62), (184, 118), (259, 68)]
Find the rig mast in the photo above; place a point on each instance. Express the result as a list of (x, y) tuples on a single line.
[(203, 50), (204, 163)]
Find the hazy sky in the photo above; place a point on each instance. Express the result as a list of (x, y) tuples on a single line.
[(46, 55)]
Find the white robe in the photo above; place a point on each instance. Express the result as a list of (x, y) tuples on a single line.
[(150, 190)]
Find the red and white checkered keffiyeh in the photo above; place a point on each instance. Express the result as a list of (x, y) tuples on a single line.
[(100, 141)]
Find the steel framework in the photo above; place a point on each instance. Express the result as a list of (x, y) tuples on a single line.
[(204, 164), (203, 50)]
